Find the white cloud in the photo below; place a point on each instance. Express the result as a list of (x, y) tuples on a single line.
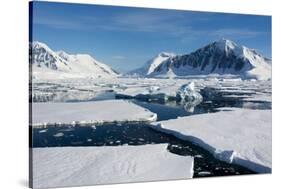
[(57, 23)]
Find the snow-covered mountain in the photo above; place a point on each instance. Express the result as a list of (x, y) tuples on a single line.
[(220, 57), (150, 65), (49, 64)]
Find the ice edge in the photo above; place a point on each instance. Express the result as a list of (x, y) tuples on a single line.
[(232, 157)]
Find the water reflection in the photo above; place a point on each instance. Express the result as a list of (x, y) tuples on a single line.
[(213, 99)]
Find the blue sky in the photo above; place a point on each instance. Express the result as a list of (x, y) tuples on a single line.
[(125, 38)]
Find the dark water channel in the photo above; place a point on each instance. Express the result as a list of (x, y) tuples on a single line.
[(133, 134)]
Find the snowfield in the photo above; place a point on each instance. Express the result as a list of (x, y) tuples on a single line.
[(239, 136), (75, 166), (89, 112)]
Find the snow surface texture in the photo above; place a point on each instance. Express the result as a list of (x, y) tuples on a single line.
[(89, 112), (237, 136), (222, 57), (47, 64), (75, 166)]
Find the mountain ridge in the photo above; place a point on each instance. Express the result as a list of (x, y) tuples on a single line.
[(45, 62), (151, 64), (222, 57)]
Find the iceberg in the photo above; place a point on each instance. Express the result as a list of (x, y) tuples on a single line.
[(188, 96), (188, 93)]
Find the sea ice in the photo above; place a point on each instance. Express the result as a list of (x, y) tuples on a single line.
[(89, 112), (239, 136), (76, 166)]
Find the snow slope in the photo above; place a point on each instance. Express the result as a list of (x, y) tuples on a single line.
[(43, 57), (89, 112), (47, 64), (84, 63), (239, 136), (75, 166), (150, 66), (222, 57)]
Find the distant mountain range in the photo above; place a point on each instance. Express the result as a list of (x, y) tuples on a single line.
[(223, 57), (49, 64), (219, 58)]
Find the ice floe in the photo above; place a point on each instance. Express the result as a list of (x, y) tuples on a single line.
[(75, 166), (239, 136), (89, 112)]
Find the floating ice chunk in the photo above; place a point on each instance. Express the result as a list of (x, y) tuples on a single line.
[(43, 131), (58, 135), (188, 96), (204, 173), (153, 89), (66, 130), (188, 93)]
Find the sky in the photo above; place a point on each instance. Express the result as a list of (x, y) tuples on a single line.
[(125, 37)]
